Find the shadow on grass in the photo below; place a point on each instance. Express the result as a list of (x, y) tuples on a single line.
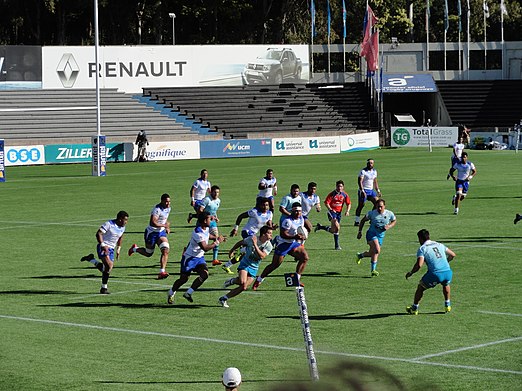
[(415, 213), (348, 316), (480, 239), (68, 276), (186, 305), (37, 292), (197, 381)]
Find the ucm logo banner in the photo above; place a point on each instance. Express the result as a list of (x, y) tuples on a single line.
[(25, 155)]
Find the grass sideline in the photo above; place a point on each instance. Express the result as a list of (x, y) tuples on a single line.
[(58, 333)]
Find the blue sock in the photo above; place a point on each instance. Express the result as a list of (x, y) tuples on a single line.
[(373, 265), (414, 306), (215, 252), (447, 303), (336, 240)]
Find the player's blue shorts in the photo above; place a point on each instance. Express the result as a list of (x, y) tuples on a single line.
[(213, 224), (371, 235), (246, 234), (102, 254), (283, 248), (189, 264), (430, 280), (334, 215), (153, 237), (368, 192), (464, 185), (454, 160), (251, 270), (197, 204)]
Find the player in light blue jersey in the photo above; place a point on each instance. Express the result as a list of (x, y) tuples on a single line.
[(211, 205), (292, 233), (156, 235), (381, 220), (109, 237), (437, 257), (199, 189), (256, 249), (193, 259), (465, 173), (285, 206)]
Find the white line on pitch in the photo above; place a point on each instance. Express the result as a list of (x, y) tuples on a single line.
[(499, 313), (266, 346), (482, 345)]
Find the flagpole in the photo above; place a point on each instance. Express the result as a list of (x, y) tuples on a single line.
[(427, 35), (312, 14), (329, 17), (460, 46), (446, 25), (502, 11), (469, 39), (485, 39), (344, 41)]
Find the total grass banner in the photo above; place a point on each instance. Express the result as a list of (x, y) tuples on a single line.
[(175, 150), (305, 146), (441, 136), (359, 142), (235, 148), (81, 153)]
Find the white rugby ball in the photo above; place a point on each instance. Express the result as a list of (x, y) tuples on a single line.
[(302, 231)]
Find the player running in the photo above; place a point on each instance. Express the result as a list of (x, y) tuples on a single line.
[(256, 249), (109, 237), (268, 188), (211, 205), (193, 259), (437, 258), (198, 191), (156, 235), (310, 200), (334, 203), (285, 206), (381, 220), (289, 242), (368, 188), (465, 172)]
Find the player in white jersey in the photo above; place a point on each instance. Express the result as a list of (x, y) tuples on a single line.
[(211, 205), (257, 218), (268, 188), (256, 249), (457, 149), (309, 201), (437, 257), (465, 172), (290, 241), (285, 206), (109, 237), (199, 190), (368, 188), (193, 259), (156, 235)]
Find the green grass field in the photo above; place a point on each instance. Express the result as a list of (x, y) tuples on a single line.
[(58, 333)]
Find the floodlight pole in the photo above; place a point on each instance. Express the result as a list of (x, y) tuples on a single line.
[(173, 17)]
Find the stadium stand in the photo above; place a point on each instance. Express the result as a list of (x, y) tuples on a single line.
[(483, 104), (67, 115), (243, 111)]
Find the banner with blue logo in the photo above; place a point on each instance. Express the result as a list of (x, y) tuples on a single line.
[(235, 148), (2, 162), (401, 83), (99, 153), (305, 146), (24, 155)]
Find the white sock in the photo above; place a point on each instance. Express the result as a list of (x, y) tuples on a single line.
[(171, 292)]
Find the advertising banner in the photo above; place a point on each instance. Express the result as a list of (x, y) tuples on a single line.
[(81, 153), (174, 150), (2, 162), (359, 142), (403, 83), (99, 153), (441, 136), (20, 67), (235, 148), (130, 68), (305, 146), (25, 155)]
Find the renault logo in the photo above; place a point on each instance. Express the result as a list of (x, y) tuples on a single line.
[(68, 70)]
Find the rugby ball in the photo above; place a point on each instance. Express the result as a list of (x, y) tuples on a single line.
[(302, 231)]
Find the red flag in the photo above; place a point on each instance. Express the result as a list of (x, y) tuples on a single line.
[(372, 52), (369, 21)]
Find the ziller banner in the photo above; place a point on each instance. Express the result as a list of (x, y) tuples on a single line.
[(441, 136), (132, 68)]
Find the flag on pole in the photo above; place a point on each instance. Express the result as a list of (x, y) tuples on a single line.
[(329, 17), (503, 9), (344, 19), (446, 17), (486, 9), (369, 21), (370, 43), (459, 9), (312, 12)]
